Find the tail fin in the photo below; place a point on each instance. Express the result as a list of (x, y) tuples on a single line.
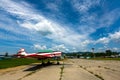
[(22, 52)]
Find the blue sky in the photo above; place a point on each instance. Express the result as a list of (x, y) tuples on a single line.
[(65, 25)]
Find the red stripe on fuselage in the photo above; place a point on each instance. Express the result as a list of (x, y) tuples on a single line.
[(44, 55)]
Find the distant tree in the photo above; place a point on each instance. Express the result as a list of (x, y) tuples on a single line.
[(78, 55), (115, 53), (93, 52), (100, 54), (6, 54), (93, 49), (108, 52)]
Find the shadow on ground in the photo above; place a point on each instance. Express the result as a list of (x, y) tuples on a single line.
[(40, 66)]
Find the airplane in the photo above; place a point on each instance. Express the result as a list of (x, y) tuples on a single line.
[(42, 55)]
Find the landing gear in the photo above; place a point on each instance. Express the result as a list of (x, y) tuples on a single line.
[(58, 61), (43, 63), (48, 62)]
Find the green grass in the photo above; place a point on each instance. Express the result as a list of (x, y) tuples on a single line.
[(7, 63), (105, 59)]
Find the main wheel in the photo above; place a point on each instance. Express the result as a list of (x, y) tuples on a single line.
[(58, 63)]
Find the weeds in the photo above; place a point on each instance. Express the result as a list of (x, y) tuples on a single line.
[(61, 73), (92, 72), (99, 76)]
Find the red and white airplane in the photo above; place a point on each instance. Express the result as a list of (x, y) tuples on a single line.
[(40, 55)]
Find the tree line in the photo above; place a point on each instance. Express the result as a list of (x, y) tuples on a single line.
[(107, 53)]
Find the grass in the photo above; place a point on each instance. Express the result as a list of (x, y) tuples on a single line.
[(7, 63), (118, 59)]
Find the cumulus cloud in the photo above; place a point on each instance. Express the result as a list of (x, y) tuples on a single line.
[(103, 40), (60, 47), (39, 47), (115, 37)]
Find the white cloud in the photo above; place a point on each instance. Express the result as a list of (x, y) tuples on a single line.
[(52, 6), (60, 47), (84, 5), (91, 21), (115, 49), (12, 30), (54, 31), (103, 40), (36, 24), (34, 21), (86, 29), (86, 42), (21, 10), (115, 37), (39, 47), (109, 18)]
